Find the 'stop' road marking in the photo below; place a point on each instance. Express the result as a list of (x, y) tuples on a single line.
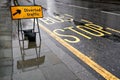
[(103, 72)]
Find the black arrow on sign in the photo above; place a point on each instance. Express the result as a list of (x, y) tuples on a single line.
[(17, 12)]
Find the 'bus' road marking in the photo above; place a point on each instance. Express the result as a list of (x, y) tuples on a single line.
[(103, 72)]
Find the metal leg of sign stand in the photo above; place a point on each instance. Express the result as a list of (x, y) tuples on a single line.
[(39, 36), (21, 37)]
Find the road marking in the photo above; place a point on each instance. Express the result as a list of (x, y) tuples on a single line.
[(113, 30), (72, 5), (110, 13), (76, 39), (86, 21), (71, 28), (103, 72), (78, 6), (68, 15), (98, 33)]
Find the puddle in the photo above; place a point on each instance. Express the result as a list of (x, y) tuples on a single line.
[(114, 38), (30, 62)]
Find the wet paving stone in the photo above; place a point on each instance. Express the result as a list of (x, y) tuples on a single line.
[(5, 44), (5, 71), (5, 53), (5, 37)]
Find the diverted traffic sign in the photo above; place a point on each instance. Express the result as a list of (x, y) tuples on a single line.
[(25, 12)]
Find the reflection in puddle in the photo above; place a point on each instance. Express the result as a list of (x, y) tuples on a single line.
[(30, 62), (79, 23), (113, 37)]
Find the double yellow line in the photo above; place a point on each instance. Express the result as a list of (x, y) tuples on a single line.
[(103, 72)]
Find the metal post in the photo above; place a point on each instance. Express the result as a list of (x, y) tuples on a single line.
[(34, 2), (34, 18), (39, 36)]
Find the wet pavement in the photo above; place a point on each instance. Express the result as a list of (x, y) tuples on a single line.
[(6, 59), (90, 28), (51, 68)]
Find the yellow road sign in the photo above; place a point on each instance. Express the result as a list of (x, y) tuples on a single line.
[(22, 12)]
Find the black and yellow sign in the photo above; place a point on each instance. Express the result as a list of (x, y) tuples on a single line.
[(22, 12)]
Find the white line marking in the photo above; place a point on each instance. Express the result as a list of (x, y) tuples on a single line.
[(73, 5), (89, 8), (110, 13)]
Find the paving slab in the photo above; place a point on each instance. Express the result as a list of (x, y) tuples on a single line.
[(6, 59)]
